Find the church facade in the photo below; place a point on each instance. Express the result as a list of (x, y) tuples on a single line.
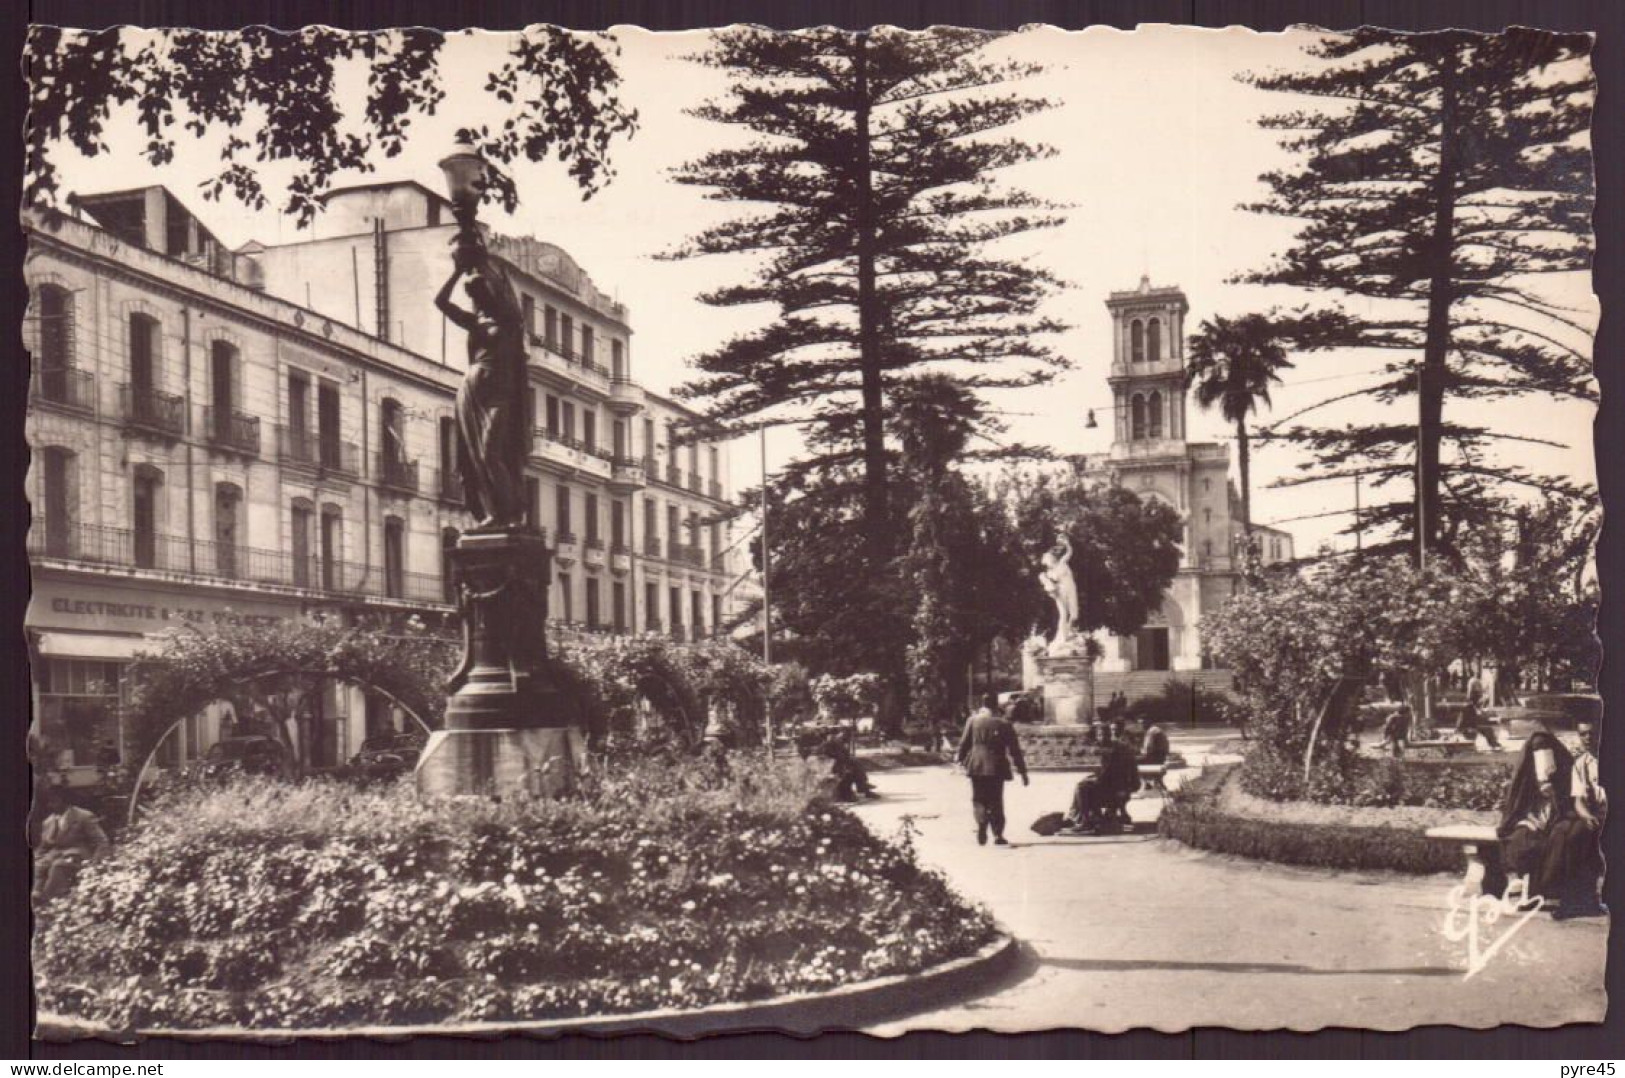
[(1152, 455)]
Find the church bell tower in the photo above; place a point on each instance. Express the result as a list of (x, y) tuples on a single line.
[(1148, 371)]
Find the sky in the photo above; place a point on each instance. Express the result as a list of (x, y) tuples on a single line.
[(1158, 147)]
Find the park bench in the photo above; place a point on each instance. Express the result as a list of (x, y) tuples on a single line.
[(1482, 848), (1151, 779)]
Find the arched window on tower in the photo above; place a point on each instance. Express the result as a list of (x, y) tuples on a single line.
[(1137, 417), (1153, 343), (1136, 337), (1153, 408)]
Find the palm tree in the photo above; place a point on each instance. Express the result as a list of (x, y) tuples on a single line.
[(1232, 363)]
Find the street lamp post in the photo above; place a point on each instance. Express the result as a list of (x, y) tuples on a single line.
[(512, 726)]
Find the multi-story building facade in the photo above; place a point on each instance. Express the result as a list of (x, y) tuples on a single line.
[(217, 437), (1151, 455)]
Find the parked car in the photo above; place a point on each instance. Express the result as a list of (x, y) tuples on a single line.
[(387, 756), (255, 755)]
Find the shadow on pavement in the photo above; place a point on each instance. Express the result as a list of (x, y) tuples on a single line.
[(1117, 965)]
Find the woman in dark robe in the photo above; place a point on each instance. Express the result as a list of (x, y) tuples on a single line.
[(490, 402), (1536, 801)]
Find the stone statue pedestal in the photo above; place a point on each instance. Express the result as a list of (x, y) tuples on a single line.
[(512, 728), (1069, 689)]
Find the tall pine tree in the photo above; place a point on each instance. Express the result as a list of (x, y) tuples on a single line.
[(1440, 176), (874, 178)]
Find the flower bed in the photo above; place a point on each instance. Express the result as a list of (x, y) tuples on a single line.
[(1213, 813), (1472, 786), (267, 906)]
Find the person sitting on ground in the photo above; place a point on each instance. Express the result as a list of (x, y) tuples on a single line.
[(1473, 721), (69, 836), (1396, 731), (1154, 748), (850, 777), (1576, 853), (1536, 800)]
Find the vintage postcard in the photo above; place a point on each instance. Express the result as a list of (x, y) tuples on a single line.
[(839, 529)]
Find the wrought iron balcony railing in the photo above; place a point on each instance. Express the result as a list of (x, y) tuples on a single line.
[(64, 387), (148, 409), (229, 429)]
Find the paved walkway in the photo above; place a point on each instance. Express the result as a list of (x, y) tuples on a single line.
[(1134, 931)]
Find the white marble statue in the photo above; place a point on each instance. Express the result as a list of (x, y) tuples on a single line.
[(1056, 576)]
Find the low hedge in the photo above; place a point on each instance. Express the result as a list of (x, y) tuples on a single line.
[(1362, 782), (673, 884), (1194, 816)]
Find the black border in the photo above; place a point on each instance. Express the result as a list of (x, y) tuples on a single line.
[(1605, 17)]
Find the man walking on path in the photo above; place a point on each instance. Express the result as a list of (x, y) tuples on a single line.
[(987, 749)]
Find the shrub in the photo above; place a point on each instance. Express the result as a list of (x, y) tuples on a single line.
[(1385, 783), (1195, 817), (669, 882), (1182, 702)]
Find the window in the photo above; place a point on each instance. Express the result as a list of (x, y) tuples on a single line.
[(302, 517), (675, 598), (567, 330), (448, 456), (55, 328), (327, 424), (649, 439), (589, 428), (592, 602), (567, 413), (1137, 417), (591, 507), (716, 614), (716, 468), (561, 513), (332, 553), (527, 304), (143, 353), (1153, 341), (78, 711), (394, 557), (617, 360), (617, 606), (716, 542), (298, 403), (651, 528), (1153, 408), (1136, 336), (696, 608), (617, 525), (550, 328), (552, 416), (674, 534), (694, 459), (671, 444), (391, 433), (587, 344), (1207, 516), (147, 485), (567, 606), (533, 501), (651, 607), (223, 386), (447, 566), (58, 477), (228, 501)]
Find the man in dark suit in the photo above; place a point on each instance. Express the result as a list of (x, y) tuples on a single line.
[(987, 750)]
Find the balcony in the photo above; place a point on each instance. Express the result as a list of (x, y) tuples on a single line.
[(620, 561), (674, 476), (203, 559), (304, 449), (625, 395), (689, 554), (626, 474), (572, 452), (224, 428), (449, 486), (565, 550), (651, 546), (152, 411), (62, 387), (592, 553), (396, 474), (714, 489)]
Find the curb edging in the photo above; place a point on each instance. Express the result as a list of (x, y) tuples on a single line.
[(849, 1006)]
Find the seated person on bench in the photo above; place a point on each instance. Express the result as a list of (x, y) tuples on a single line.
[(1536, 802), (1154, 749), (1100, 801)]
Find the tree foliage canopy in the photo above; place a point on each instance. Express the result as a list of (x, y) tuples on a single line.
[(1437, 177), (272, 93)]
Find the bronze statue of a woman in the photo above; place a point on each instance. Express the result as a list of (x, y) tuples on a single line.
[(491, 435)]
